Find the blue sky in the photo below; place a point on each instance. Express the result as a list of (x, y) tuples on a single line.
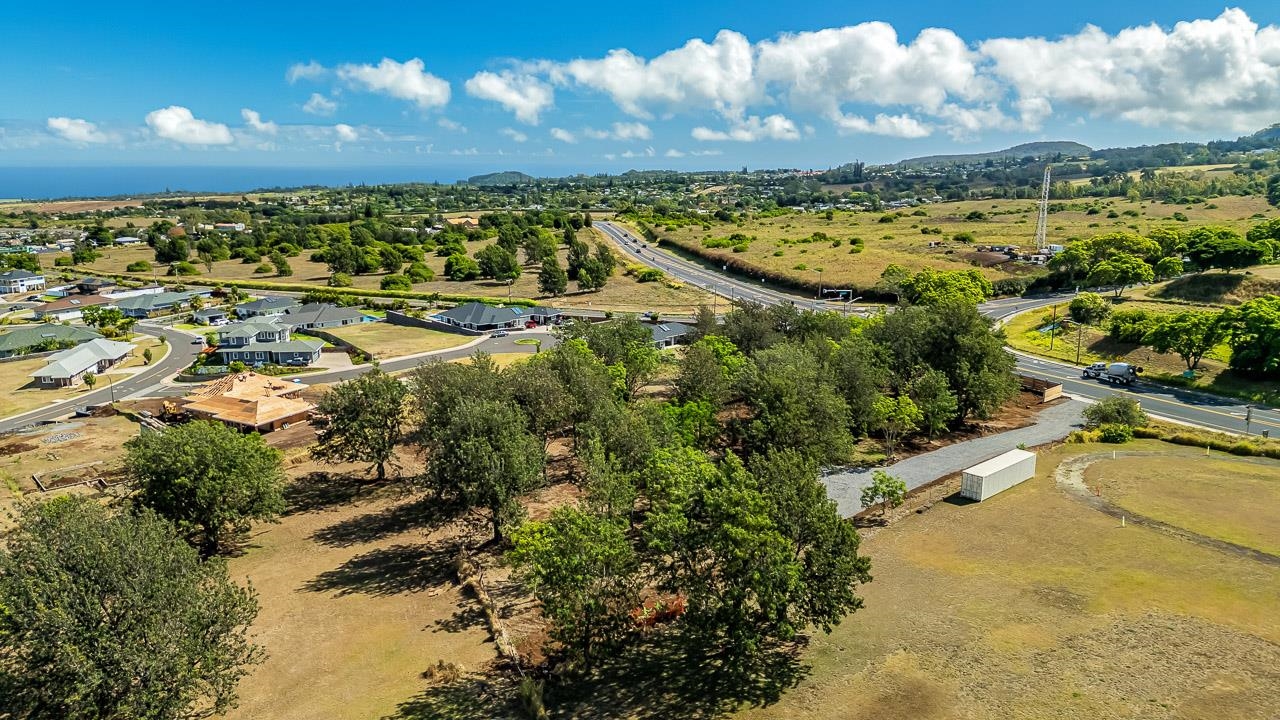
[(609, 86)]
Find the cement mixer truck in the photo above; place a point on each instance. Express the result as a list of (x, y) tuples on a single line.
[(1114, 373)]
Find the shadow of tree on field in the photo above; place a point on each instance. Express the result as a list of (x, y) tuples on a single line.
[(389, 571), (662, 677), (466, 698), (323, 491), (467, 616), (421, 513)]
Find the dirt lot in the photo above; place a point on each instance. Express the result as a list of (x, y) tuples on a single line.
[(1006, 222), (1032, 605), (384, 340), (61, 450)]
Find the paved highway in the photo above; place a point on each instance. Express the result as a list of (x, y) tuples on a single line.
[(1174, 404), (181, 353)]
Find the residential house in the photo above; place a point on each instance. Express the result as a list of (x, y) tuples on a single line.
[(265, 307), (161, 303), (265, 341), (210, 316), (24, 339), (483, 317), (250, 402), (94, 285), (318, 316), (668, 334), (68, 367), (69, 307), (228, 227), (20, 281), (466, 223), (129, 240)]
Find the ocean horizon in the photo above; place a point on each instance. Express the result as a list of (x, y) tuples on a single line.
[(55, 183)]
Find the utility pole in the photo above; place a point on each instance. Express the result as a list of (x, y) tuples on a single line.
[(1053, 328), (1248, 418), (1079, 337)]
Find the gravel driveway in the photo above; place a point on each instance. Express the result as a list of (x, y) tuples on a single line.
[(1054, 423)]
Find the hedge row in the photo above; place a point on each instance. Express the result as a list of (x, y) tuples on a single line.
[(355, 292), (1213, 441)]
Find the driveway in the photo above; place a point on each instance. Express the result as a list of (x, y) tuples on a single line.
[(1053, 423)]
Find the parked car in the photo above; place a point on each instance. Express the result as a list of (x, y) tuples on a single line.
[(500, 333), (198, 341)]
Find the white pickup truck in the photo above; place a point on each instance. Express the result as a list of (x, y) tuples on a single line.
[(1114, 373)]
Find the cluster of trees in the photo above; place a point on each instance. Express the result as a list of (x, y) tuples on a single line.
[(129, 611), (1251, 331)]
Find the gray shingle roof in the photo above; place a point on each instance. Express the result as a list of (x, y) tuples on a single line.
[(76, 360), (668, 330), (313, 313), (475, 313), (274, 302), (31, 335), (17, 274)]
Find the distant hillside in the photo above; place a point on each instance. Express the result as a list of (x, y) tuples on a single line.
[(509, 177), (1036, 149)]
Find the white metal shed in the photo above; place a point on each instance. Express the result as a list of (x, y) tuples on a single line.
[(997, 474)]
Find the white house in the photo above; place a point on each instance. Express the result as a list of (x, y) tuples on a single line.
[(69, 366), (20, 281)]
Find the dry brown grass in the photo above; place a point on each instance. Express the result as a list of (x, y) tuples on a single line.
[(384, 340), (1033, 605)]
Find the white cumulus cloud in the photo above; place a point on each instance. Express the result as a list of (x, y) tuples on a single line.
[(752, 129), (1219, 74), (346, 133), (451, 125), (254, 120), (563, 135), (406, 80), (178, 124), (901, 126), (76, 130), (524, 95), (318, 104), (305, 71), (673, 153), (514, 134)]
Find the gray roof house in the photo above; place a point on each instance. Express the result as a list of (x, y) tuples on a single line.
[(265, 340), (210, 316), (668, 333), (272, 305), (142, 306), (19, 281), (28, 338), (69, 366), (481, 316), (318, 316)]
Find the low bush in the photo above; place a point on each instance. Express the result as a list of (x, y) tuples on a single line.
[(138, 266), (1115, 433)]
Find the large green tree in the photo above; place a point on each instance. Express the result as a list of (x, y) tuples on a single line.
[(583, 569), (552, 279), (486, 456), (796, 405), (1255, 336), (361, 421), (111, 615), (1189, 334), (1121, 271), (209, 479)]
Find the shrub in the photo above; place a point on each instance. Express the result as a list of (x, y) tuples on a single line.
[(183, 268), (395, 281), (1089, 308), (976, 215), (1115, 433), (339, 280), (964, 237), (63, 262), (888, 218), (1131, 326), (138, 266), (649, 275), (419, 272), (1115, 410), (263, 269)]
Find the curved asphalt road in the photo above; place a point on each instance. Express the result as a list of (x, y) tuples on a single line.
[(181, 354), (1178, 405)]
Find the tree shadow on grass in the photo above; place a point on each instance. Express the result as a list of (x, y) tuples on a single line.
[(389, 571), (421, 513), (467, 698), (661, 678), (323, 491)]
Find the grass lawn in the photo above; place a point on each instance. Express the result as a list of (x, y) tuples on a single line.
[(1198, 496), (621, 293), (901, 241), (503, 360), (1032, 604), (384, 340)]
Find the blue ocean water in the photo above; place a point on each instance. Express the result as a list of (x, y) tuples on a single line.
[(42, 183)]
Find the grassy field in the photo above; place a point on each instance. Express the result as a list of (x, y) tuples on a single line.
[(1198, 496), (19, 392), (384, 340), (1033, 605), (621, 293), (1006, 222), (357, 601)]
